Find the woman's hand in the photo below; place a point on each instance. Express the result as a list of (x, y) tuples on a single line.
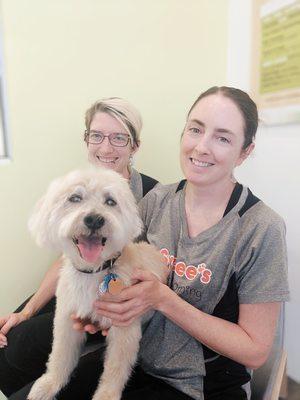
[(8, 322), (133, 301), (84, 325)]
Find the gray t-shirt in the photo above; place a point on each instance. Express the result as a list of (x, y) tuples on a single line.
[(248, 242)]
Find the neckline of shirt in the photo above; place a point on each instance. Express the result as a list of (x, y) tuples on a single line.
[(236, 201)]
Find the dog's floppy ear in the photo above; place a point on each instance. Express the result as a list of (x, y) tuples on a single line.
[(119, 187), (132, 217), (134, 223), (38, 223)]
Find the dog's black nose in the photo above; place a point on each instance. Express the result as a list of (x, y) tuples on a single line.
[(93, 221)]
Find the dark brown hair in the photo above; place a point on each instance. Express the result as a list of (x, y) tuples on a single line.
[(244, 103)]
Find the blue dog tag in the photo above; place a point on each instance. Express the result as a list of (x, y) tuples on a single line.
[(104, 285)]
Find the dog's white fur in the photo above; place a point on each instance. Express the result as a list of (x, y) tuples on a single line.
[(57, 221)]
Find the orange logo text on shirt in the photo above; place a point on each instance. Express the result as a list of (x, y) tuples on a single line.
[(190, 272)]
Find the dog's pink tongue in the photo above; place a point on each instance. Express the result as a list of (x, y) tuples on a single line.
[(90, 251)]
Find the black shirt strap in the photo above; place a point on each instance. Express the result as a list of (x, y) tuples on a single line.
[(148, 183), (181, 185), (234, 198)]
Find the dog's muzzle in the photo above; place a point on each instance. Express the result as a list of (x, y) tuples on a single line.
[(91, 246)]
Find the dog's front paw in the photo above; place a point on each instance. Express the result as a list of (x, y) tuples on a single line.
[(45, 388)]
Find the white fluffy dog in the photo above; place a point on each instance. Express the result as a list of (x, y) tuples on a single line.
[(92, 218)]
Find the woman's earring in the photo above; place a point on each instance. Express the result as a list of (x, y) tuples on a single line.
[(232, 179), (130, 163)]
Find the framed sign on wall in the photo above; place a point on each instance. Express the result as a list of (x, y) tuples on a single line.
[(276, 60)]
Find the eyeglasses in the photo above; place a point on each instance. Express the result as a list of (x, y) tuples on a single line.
[(115, 139)]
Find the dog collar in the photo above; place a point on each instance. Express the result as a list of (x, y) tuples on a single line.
[(107, 264)]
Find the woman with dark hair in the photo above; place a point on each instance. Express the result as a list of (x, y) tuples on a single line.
[(215, 320)]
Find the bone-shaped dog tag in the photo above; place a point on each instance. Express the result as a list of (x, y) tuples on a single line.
[(115, 286)]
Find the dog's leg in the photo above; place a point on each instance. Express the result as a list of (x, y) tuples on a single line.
[(64, 357), (120, 357)]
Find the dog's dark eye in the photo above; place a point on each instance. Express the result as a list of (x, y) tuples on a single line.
[(75, 198), (110, 202)]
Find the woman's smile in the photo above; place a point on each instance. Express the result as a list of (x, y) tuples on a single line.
[(201, 164), (107, 160)]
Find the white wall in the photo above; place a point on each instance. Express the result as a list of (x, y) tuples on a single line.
[(272, 172)]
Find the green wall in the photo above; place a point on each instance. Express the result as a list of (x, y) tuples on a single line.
[(59, 57)]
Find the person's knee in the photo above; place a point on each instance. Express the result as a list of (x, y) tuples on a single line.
[(29, 343), (3, 364), (24, 358), (7, 374), (18, 348)]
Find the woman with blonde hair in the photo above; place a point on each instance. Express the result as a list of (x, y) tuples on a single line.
[(112, 136)]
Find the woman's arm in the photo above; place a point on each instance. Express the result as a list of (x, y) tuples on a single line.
[(247, 342), (45, 292)]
